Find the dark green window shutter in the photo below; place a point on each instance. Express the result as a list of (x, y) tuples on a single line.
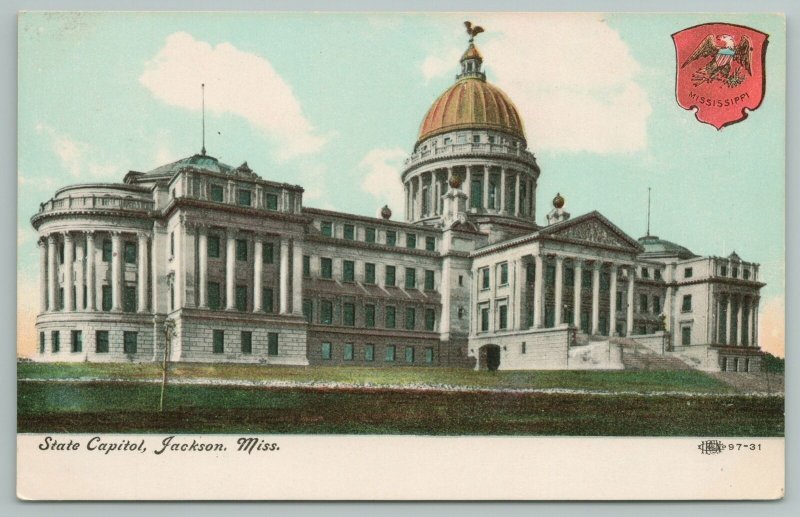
[(430, 319), (101, 341), (503, 317), (390, 276), (268, 253), (326, 267), (369, 315), (429, 280), (272, 201), (349, 232), (390, 352), (411, 240), (370, 235), (106, 297), (130, 252), (369, 273), (429, 355), (245, 197), (241, 249), (306, 266), (430, 243), (504, 273), (348, 351), (326, 312), (247, 342), (348, 314), (348, 271), (391, 317), (129, 298), (267, 299), (272, 343), (107, 250), (308, 311), (41, 342), (327, 228), (369, 352), (391, 238), (77, 341), (213, 246), (411, 318), (326, 351), (411, 278), (217, 193), (219, 341), (213, 295), (241, 298), (409, 354), (129, 342)]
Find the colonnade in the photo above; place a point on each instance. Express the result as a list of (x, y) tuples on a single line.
[(733, 329)]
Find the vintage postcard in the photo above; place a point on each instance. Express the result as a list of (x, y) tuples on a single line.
[(401, 256)]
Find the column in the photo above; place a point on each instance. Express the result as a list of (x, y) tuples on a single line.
[(502, 189), (52, 279), (297, 277), (91, 295), (739, 317), (418, 210), (576, 286), (449, 175), (407, 210), (79, 278), (519, 282), (629, 315), (42, 275), (596, 297), (559, 289), (116, 271), (485, 187), (230, 270), (68, 272), (468, 186), (202, 251), (142, 271), (516, 194), (258, 267), (668, 310), (538, 292), (284, 277), (729, 322), (754, 326), (612, 302)]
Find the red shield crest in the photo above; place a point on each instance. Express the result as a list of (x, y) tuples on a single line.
[(720, 71)]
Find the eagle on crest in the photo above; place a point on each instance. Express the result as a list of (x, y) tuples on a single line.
[(728, 62)]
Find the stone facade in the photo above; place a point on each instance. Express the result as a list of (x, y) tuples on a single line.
[(248, 273)]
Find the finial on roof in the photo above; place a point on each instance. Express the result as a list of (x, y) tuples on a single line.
[(386, 212), (203, 95), (558, 201), (472, 30)]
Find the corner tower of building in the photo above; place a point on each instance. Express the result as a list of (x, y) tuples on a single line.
[(474, 131)]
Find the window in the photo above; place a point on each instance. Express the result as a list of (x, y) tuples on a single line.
[(656, 305), (41, 342), (390, 352), (686, 336), (723, 270), (326, 267), (687, 272), (369, 235), (308, 311), (61, 298), (586, 278), (247, 342), (214, 301), (213, 246), (460, 280), (171, 244), (129, 342), (411, 318), (272, 343), (306, 266), (326, 312), (411, 240), (686, 306), (429, 280), (429, 354), (271, 200), (550, 274), (268, 252), (411, 278), (503, 317), (369, 352), (734, 272), (460, 312), (642, 303), (485, 278), (391, 238), (391, 317), (326, 351), (390, 276), (430, 319), (219, 341), (101, 342), (619, 299), (746, 274), (569, 276), (369, 315), (130, 253), (484, 319), (430, 243), (605, 281), (327, 228), (217, 193), (348, 351), (349, 232), (348, 314), (658, 274), (348, 271), (241, 250), (77, 341), (241, 298), (409, 354), (106, 298), (504, 273), (476, 194), (645, 272), (369, 273), (447, 140), (107, 250), (245, 197), (267, 299), (128, 298)]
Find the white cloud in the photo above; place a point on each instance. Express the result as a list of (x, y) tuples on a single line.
[(381, 168), (436, 66), (570, 75), (237, 82), (78, 158)]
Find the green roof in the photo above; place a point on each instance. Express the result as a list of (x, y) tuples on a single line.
[(198, 161), (657, 247)]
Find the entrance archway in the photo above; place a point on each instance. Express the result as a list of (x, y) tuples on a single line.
[(489, 357)]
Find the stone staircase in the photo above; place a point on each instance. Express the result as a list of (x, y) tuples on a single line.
[(636, 356)]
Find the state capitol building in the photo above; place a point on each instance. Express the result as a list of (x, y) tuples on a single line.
[(248, 274)]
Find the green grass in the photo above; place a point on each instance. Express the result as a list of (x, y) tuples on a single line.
[(615, 381), (126, 407)]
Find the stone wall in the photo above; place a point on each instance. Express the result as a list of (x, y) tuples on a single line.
[(541, 349)]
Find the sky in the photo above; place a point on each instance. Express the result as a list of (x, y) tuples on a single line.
[(333, 102)]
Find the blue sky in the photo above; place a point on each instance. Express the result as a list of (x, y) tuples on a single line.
[(334, 101)]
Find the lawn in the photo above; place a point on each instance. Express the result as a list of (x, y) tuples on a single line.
[(132, 407), (614, 381)]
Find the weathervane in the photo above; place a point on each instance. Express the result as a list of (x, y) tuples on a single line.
[(472, 31), (203, 95)]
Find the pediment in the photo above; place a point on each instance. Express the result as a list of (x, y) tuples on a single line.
[(592, 228)]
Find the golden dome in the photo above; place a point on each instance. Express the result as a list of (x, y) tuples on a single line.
[(472, 103)]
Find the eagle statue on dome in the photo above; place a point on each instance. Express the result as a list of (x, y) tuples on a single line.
[(472, 31), (724, 60)]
